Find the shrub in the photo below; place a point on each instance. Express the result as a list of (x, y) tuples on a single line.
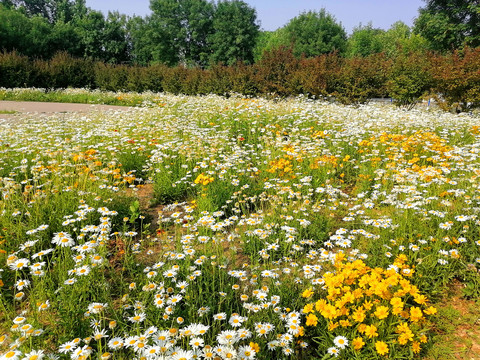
[(454, 78), (457, 79), (174, 79), (314, 74), (242, 79), (410, 79), (112, 77), (359, 79), (152, 77), (14, 70), (65, 71), (275, 70)]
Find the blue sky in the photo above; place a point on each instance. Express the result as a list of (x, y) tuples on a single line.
[(276, 13)]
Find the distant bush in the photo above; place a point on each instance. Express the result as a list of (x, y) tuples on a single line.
[(275, 73), (454, 79), (66, 71), (15, 70), (457, 78), (315, 75), (359, 79), (112, 77), (410, 78)]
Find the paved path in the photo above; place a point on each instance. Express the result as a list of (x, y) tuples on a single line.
[(52, 107)]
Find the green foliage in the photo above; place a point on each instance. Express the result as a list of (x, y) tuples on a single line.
[(18, 32), (111, 77), (138, 32), (314, 33), (400, 39), (65, 36), (309, 34), (65, 71), (364, 41), (14, 70), (180, 31), (410, 79), (449, 24), (115, 47), (270, 40), (235, 31), (40, 29), (43, 8)]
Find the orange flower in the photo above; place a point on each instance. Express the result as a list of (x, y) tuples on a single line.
[(329, 312), (359, 315), (308, 308), (255, 347), (320, 304)]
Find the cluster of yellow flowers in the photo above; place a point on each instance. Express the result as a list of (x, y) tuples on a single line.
[(282, 165), (323, 161), (377, 307), (204, 179)]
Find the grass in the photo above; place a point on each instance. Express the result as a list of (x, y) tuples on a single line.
[(309, 225), (8, 112), (456, 334), (81, 96)]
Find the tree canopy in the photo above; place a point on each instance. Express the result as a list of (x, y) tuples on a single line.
[(206, 32), (364, 41), (309, 34), (314, 33), (235, 32), (180, 30), (450, 24)]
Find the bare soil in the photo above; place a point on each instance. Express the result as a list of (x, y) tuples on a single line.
[(51, 107)]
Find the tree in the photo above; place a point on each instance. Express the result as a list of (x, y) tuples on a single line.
[(70, 10), (364, 41), (400, 39), (6, 4), (270, 40), (139, 36), (66, 36), (52, 10), (180, 30), (44, 8), (314, 33), (14, 27), (90, 28), (235, 31), (450, 24), (115, 46)]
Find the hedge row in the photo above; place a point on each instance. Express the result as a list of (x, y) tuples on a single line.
[(454, 79)]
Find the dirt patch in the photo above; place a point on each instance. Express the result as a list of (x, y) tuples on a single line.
[(145, 196), (457, 327), (468, 329), (50, 108)]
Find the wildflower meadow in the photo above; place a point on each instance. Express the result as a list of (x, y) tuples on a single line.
[(205, 227)]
